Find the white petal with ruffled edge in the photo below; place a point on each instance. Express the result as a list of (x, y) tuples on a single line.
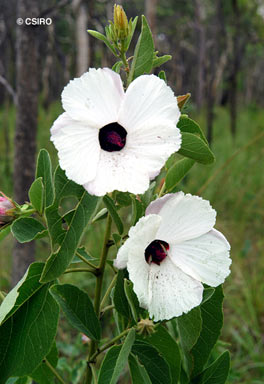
[(170, 291), (94, 98), (205, 258), (133, 254), (185, 217), (148, 98), (154, 142), (78, 148)]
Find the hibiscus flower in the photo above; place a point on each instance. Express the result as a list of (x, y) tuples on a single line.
[(109, 139), (171, 251)]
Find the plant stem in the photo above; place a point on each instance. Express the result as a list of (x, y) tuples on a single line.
[(109, 344), (108, 291), (98, 290), (103, 310), (95, 381), (85, 260), (53, 370), (162, 189), (71, 270)]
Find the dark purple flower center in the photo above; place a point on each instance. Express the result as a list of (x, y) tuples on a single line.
[(156, 251), (112, 137)]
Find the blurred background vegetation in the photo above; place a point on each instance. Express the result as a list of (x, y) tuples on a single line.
[(217, 52)]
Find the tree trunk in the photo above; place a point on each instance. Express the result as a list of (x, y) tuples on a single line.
[(150, 11), (26, 122), (200, 44)]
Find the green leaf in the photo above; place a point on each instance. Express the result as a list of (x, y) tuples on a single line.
[(143, 55), (36, 194), (168, 348), (189, 328), (22, 292), (102, 214), (216, 373), (44, 170), (43, 374), (162, 76), (158, 61), (147, 197), (208, 293), (177, 172), (138, 372), (27, 336), (26, 229), (120, 300), (137, 210), (155, 365), (188, 125), (123, 199), (115, 360), (4, 231), (103, 38), (212, 322), (110, 205), (78, 309), (129, 38), (117, 66), (132, 299), (82, 251), (68, 240), (194, 147)]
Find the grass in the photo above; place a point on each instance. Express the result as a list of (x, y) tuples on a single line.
[(236, 192)]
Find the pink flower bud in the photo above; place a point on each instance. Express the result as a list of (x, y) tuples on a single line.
[(6, 209)]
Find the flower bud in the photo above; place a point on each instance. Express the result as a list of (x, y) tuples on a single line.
[(145, 327), (120, 22), (7, 208)]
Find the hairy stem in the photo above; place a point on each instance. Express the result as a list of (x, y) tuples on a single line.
[(85, 260), (108, 291)]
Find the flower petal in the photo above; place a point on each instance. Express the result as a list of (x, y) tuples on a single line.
[(154, 142), (94, 98), (132, 254), (119, 171), (148, 98), (205, 258), (171, 292), (78, 148), (185, 217)]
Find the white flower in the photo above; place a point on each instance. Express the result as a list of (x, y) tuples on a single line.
[(109, 139), (172, 250)]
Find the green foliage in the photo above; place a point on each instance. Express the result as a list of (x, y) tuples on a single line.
[(155, 365), (36, 194), (143, 55), (169, 350), (132, 299), (138, 372), (115, 360), (34, 320), (44, 170), (120, 299), (26, 229), (68, 240), (158, 61), (43, 374), (195, 148), (103, 38), (110, 205), (78, 309), (177, 172), (216, 373)]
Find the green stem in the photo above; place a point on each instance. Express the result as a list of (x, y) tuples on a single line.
[(95, 381), (85, 260), (109, 344), (72, 270), (162, 189), (53, 370), (108, 291), (98, 291), (107, 308)]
